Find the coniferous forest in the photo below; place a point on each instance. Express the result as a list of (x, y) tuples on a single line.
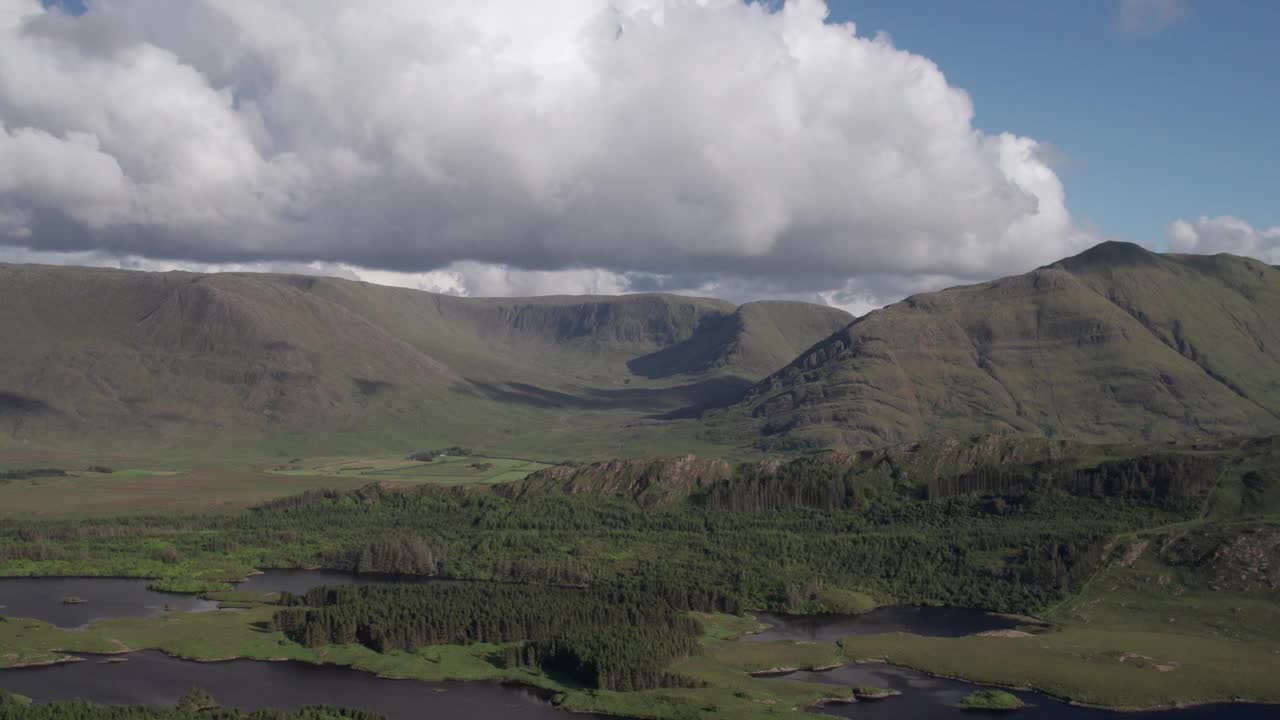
[(1013, 537), (619, 640)]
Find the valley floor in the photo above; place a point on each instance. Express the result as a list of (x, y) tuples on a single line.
[(145, 485), (1118, 667), (1160, 591)]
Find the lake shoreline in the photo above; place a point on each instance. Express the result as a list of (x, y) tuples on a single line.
[(1164, 707), (232, 652)]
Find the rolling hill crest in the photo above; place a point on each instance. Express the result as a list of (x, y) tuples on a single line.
[(1117, 343), (138, 359)]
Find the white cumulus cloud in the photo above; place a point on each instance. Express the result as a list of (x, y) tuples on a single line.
[(1225, 234), (493, 146)]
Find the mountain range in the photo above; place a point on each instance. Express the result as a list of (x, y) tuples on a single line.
[(1117, 343), (143, 360)]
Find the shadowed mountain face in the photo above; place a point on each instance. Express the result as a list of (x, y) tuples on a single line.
[(1115, 343), (161, 358)]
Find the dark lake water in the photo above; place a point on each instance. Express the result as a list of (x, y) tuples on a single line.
[(151, 678), (933, 621), (41, 598), (930, 698)]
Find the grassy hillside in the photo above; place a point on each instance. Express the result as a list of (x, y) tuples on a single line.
[(268, 365), (754, 340), (1115, 344), (1219, 311)]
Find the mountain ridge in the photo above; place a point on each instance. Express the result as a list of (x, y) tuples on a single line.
[(160, 356), (1116, 343), (1087, 346)]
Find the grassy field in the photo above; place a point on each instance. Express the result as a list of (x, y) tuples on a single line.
[(448, 470), (1114, 668), (143, 492), (1151, 597), (1142, 633), (179, 487), (130, 493)]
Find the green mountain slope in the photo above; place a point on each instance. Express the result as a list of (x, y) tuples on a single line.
[(1220, 311), (1117, 343), (116, 355), (142, 360)]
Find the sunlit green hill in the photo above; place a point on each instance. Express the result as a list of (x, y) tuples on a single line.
[(1115, 344), (274, 363), (1118, 343)]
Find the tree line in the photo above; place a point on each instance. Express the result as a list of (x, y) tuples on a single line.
[(1174, 482), (1015, 554), (1013, 538), (610, 639)]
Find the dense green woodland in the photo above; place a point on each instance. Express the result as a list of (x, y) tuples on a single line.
[(1017, 538), (1176, 482), (613, 640), (14, 707), (965, 551)]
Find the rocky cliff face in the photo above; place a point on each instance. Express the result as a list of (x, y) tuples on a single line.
[(1241, 559)]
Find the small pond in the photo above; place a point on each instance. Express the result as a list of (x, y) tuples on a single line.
[(920, 620)]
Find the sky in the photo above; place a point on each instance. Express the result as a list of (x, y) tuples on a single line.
[(1168, 110), (851, 152)]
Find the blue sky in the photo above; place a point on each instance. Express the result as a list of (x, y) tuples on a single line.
[(1166, 123)]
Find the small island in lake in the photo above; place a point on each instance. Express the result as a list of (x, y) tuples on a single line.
[(874, 693), (73, 600), (991, 700)]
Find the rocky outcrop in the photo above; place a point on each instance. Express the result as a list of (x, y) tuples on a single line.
[(652, 481)]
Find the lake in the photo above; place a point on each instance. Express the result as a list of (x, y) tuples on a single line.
[(152, 678), (41, 598), (929, 698), (920, 620)]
